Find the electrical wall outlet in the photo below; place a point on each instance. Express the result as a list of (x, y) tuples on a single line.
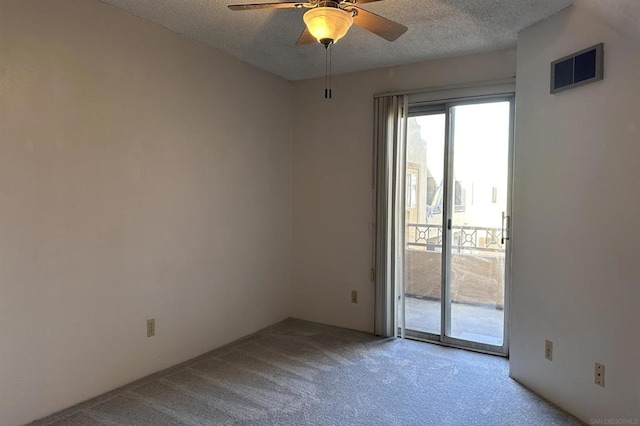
[(599, 374), (548, 350), (151, 327), (354, 296)]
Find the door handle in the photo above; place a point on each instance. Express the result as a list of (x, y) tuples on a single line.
[(506, 219)]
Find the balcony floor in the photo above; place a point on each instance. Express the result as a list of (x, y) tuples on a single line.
[(483, 324)]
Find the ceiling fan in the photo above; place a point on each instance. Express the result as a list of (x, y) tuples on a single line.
[(327, 21)]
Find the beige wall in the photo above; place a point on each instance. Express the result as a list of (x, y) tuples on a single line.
[(575, 236), (145, 175), (332, 144), (141, 175)]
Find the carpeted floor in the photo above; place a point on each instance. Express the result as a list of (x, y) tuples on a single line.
[(302, 373)]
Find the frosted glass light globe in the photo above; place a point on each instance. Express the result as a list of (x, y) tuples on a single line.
[(328, 24)]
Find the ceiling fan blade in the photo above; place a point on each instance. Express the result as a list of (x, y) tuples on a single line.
[(306, 38), (278, 5), (359, 2), (379, 25)]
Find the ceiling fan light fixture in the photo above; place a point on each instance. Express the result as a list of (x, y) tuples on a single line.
[(328, 24)]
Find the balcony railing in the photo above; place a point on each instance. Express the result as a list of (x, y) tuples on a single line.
[(465, 238)]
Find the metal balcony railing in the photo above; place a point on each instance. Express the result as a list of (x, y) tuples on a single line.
[(474, 238)]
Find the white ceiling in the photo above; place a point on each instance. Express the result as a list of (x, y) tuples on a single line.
[(266, 38)]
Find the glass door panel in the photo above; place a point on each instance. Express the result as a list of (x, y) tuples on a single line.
[(478, 200), (423, 222), (456, 210)]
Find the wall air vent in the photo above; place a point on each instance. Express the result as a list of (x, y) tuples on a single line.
[(583, 67)]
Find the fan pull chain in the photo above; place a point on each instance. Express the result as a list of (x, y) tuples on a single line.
[(330, 69), (327, 70)]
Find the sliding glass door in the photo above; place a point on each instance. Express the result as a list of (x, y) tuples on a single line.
[(423, 254), (457, 210)]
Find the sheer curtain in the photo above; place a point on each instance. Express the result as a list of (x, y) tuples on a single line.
[(389, 143)]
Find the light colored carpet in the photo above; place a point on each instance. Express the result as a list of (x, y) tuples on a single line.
[(302, 373)]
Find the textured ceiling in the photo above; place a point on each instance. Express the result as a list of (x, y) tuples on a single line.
[(266, 38)]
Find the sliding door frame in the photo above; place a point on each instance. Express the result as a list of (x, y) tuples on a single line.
[(444, 338)]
